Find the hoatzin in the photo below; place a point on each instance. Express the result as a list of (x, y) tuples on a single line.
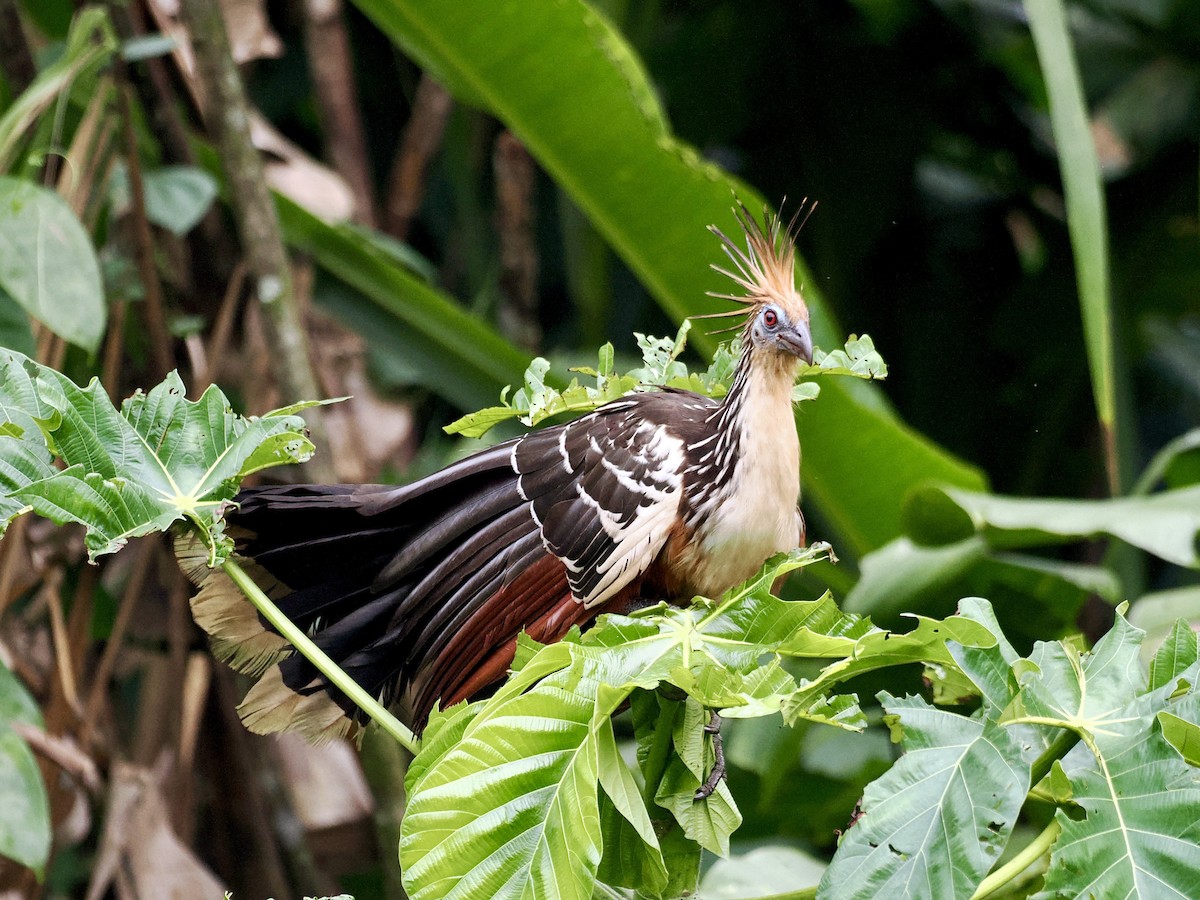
[(420, 591)]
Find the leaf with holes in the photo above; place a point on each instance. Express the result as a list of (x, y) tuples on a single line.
[(1138, 835), (938, 820), (160, 459)]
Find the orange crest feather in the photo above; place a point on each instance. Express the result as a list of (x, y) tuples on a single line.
[(765, 269)]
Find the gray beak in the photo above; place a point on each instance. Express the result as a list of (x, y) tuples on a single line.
[(797, 340)]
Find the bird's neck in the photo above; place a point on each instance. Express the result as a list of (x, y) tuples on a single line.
[(748, 480), (760, 397)]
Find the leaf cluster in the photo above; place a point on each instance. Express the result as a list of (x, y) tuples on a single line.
[(69, 454), (661, 367)]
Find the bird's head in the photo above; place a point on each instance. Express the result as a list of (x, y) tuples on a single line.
[(765, 269)]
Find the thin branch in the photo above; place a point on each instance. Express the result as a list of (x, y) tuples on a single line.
[(227, 114), (332, 68), (134, 588), (421, 140), (156, 321), (315, 655), (516, 176), (218, 341)]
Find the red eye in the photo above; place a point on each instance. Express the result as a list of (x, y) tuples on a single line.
[(770, 319)]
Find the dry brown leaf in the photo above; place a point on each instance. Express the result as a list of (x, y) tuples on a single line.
[(139, 852), (324, 782), (368, 431), (299, 177)]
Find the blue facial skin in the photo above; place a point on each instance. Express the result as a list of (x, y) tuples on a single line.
[(773, 328)]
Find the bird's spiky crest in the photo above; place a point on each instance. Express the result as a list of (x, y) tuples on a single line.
[(765, 268)]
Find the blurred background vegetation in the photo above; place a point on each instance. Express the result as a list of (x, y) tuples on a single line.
[(463, 190)]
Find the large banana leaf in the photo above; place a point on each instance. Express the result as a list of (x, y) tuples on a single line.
[(573, 90)]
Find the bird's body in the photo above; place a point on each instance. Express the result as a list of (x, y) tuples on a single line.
[(420, 591)]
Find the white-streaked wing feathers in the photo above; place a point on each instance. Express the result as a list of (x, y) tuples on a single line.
[(605, 491)]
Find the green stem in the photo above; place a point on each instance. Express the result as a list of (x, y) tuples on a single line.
[(1057, 750), (315, 655), (1019, 863), (802, 894), (656, 760)]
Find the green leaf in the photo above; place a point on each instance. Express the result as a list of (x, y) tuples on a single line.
[(859, 359), (176, 197), (24, 807), (431, 328), (1164, 524), (1039, 595), (901, 575), (764, 871), (512, 809), (708, 822), (878, 649), (1181, 734), (536, 401), (15, 333), (632, 856), (47, 263), (938, 820), (1083, 190), (550, 72), (90, 43), (160, 459), (1138, 835), (1177, 654)]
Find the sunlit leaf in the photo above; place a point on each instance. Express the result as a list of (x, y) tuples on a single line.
[(1177, 654), (937, 821), (1138, 835), (161, 459), (1164, 524), (537, 401)]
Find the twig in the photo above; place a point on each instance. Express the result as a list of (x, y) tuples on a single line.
[(315, 655), (62, 644), (11, 546), (332, 68), (218, 341), (227, 114), (114, 350), (156, 323), (516, 175), (420, 141), (64, 753), (156, 93), (134, 587)]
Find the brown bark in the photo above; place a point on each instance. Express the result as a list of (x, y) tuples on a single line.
[(421, 139), (516, 175), (227, 116), (332, 68)]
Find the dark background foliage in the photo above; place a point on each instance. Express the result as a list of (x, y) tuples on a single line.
[(920, 127)]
